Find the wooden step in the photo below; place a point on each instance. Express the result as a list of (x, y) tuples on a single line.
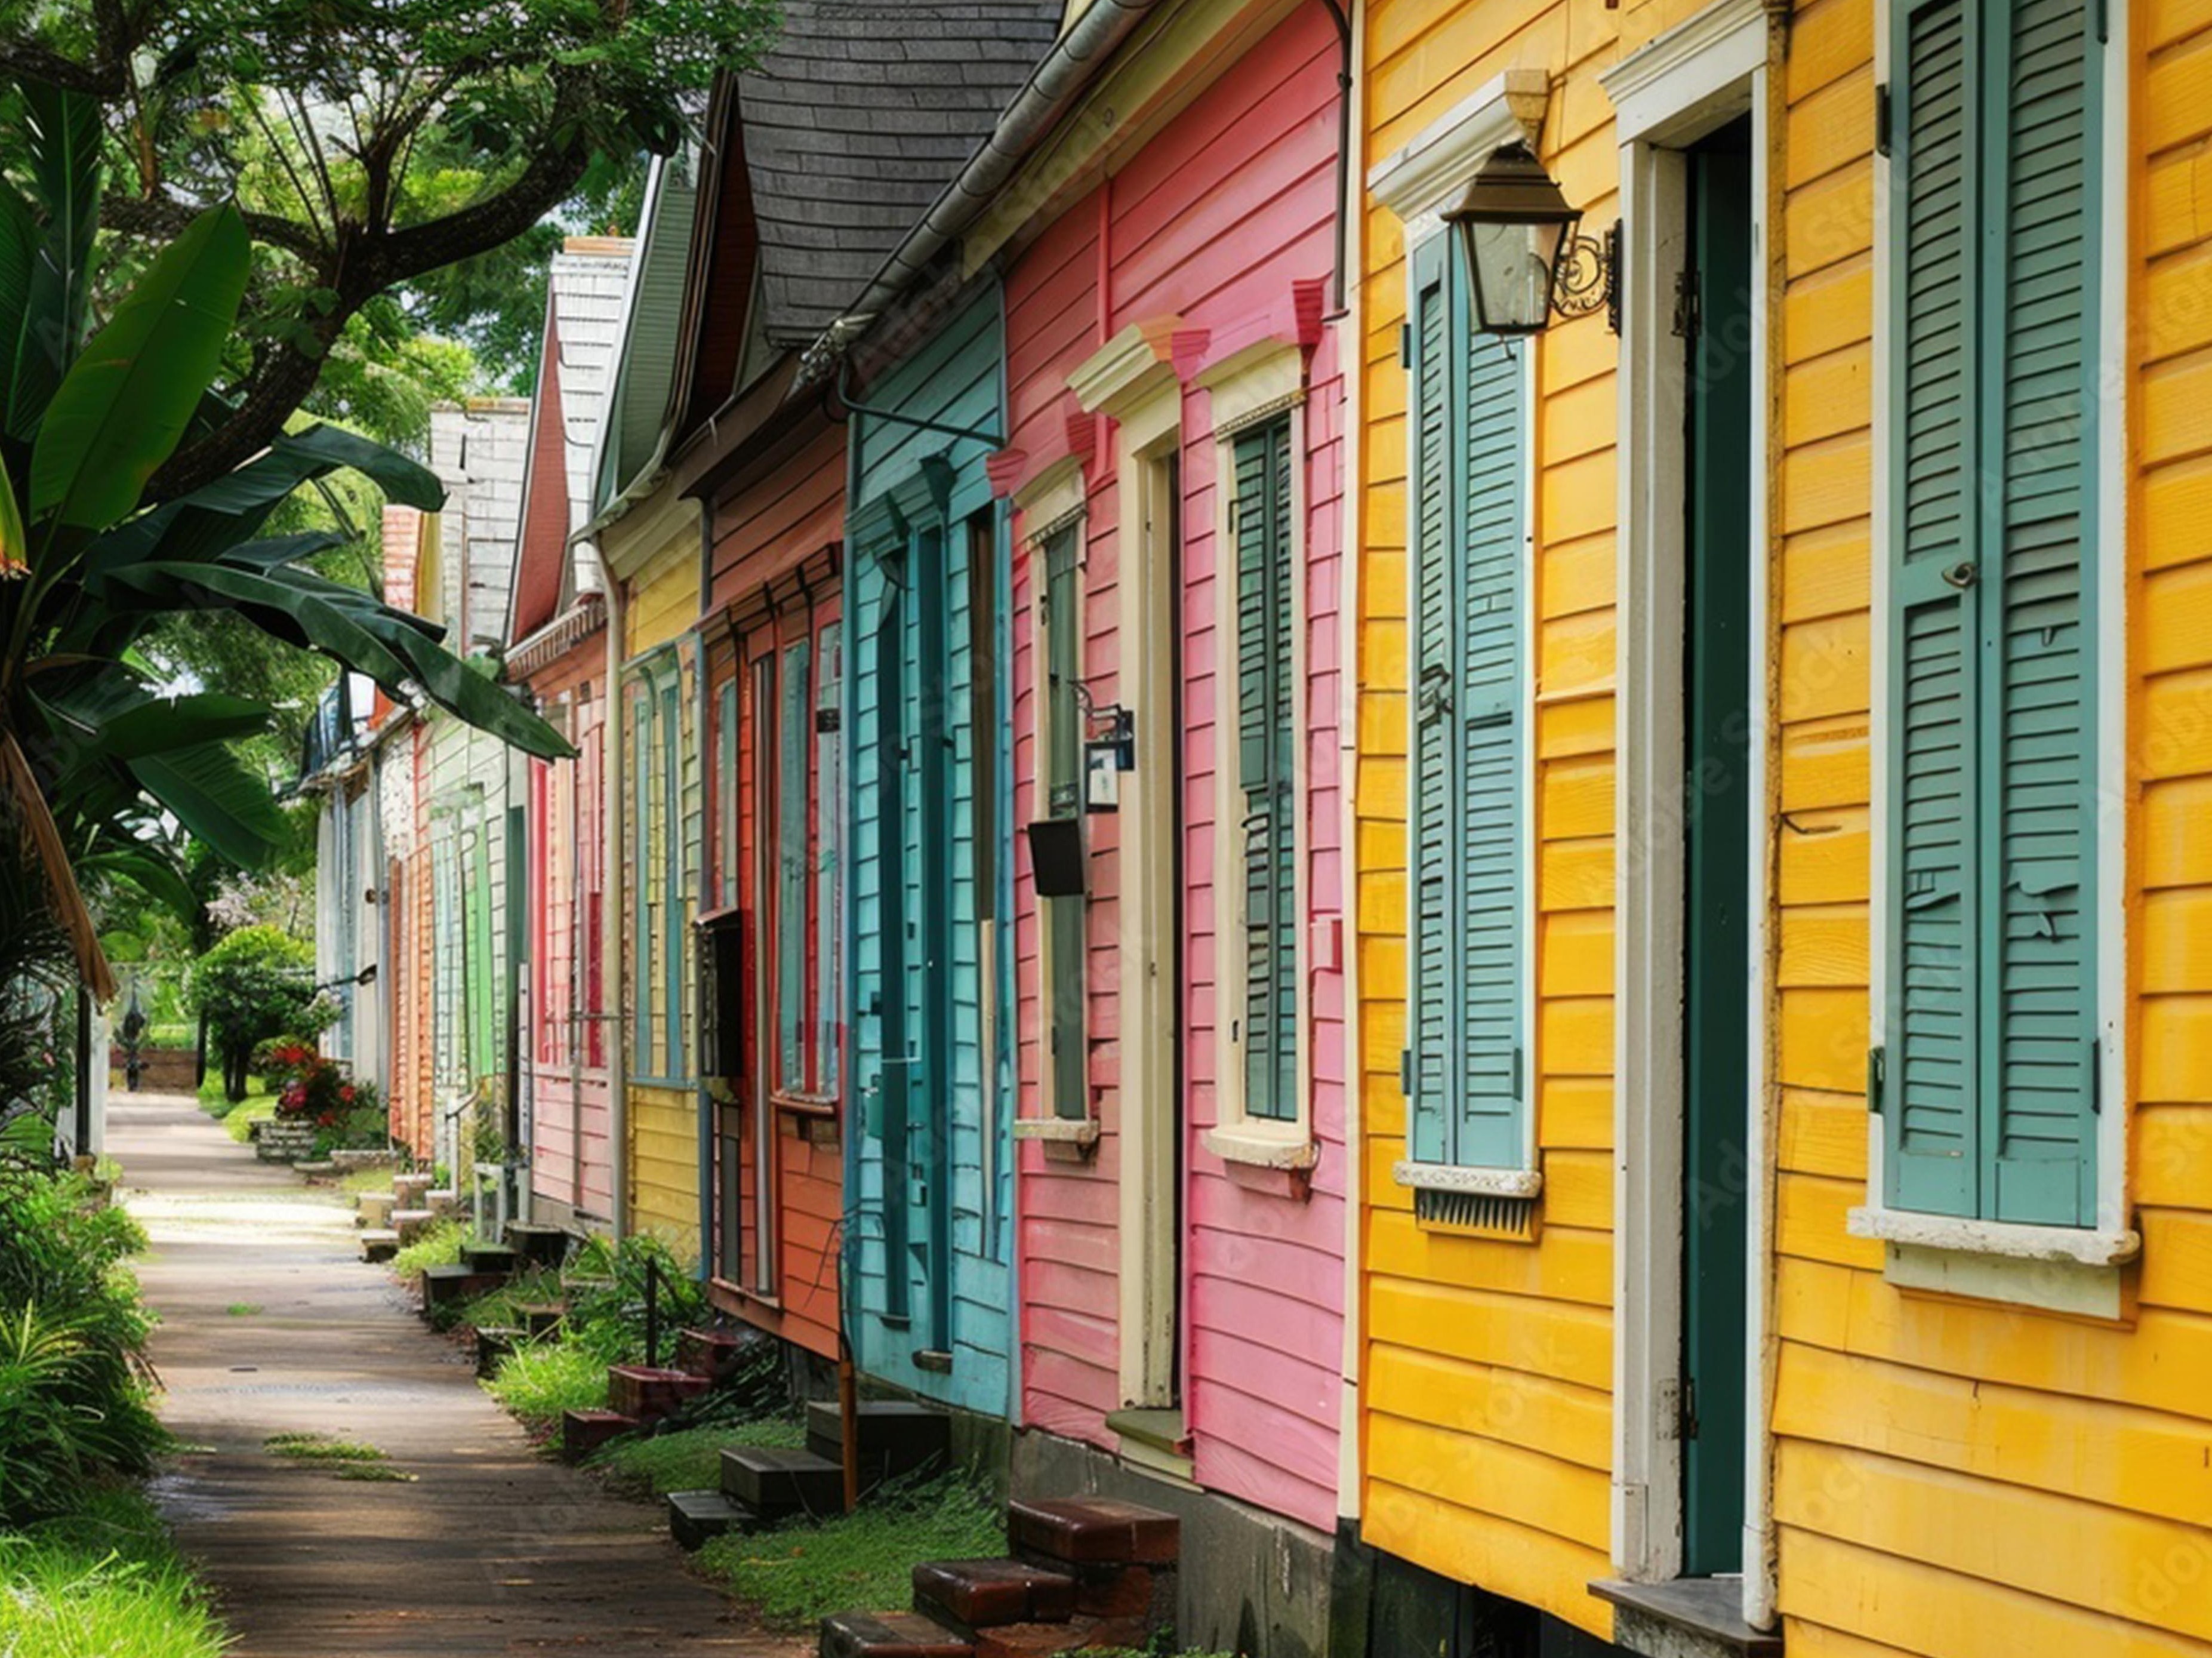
[(445, 1205), (1093, 1531), (778, 1482), (896, 1436), (540, 1318), (695, 1517), (583, 1432), (650, 1394), (540, 1246), (973, 1594), (411, 1223), (373, 1208), (450, 1286), (379, 1243), (491, 1258), (409, 1188), (890, 1635), (495, 1344)]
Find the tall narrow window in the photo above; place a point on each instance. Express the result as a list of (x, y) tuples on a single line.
[(1468, 956), (644, 909), (673, 956), (829, 888), (794, 861), (1988, 1077), (1266, 1027), (725, 792)]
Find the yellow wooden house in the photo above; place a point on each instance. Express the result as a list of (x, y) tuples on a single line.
[(1780, 769)]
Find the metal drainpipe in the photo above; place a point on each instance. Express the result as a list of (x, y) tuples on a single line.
[(611, 907)]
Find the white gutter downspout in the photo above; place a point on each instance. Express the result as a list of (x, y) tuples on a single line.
[(610, 907)]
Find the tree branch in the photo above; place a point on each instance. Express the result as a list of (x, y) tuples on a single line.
[(137, 215)]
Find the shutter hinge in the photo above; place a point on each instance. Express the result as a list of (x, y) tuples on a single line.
[(1689, 304), (1877, 1074), (1405, 344), (2096, 1077), (1517, 1081), (1406, 1072), (1881, 119)]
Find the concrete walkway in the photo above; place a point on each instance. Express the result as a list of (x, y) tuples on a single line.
[(270, 1324)]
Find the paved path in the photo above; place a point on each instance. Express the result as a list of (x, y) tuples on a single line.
[(490, 1550)]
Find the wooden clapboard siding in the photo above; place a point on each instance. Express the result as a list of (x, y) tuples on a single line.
[(1954, 1476), (1212, 220), (951, 377)]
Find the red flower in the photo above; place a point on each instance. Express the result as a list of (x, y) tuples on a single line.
[(346, 1094)]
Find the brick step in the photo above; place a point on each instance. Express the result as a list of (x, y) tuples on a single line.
[(373, 1208), (1093, 1531), (896, 1436), (491, 1258), (1054, 1640), (777, 1482), (411, 1223), (540, 1246), (891, 1635), (379, 1243), (540, 1318), (583, 1432), (695, 1517), (449, 1286), (713, 1354), (974, 1594), (649, 1394)]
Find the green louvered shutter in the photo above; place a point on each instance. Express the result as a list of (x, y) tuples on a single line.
[(641, 864), (1988, 1095), (1933, 1134), (1430, 950), (1487, 917), (1266, 736), (2040, 1001), (1064, 799)]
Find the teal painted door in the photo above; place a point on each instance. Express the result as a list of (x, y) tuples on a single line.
[(929, 1172), (1717, 846), (894, 1084)]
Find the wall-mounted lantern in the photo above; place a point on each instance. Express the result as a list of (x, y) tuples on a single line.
[(1524, 258)]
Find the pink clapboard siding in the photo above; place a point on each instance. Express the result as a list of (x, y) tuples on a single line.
[(1223, 220)]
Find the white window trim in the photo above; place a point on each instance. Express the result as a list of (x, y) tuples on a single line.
[(1686, 82), (2110, 1241), (1474, 136), (1246, 389)]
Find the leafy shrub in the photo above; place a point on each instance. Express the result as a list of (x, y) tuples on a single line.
[(310, 1088), (74, 1405), (256, 983), (439, 1245), (106, 1580), (539, 1382), (605, 1288)]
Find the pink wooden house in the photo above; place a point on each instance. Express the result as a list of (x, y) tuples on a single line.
[(1173, 463)]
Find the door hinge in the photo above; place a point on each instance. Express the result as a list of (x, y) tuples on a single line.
[(1405, 345), (1406, 1072), (1689, 1401), (1689, 304), (1877, 1074), (1881, 119)]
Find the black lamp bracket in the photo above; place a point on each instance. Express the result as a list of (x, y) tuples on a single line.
[(1588, 275)]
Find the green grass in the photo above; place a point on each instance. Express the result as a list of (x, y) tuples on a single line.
[(439, 1245), (689, 1460), (539, 1382), (104, 1584), (356, 1181), (536, 1287), (804, 1571), (254, 1108), (320, 1447), (377, 1473), (243, 1309)]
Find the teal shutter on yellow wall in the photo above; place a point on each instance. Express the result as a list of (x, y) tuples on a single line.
[(641, 1032), (1467, 953), (673, 1057), (1266, 733), (1990, 1066)]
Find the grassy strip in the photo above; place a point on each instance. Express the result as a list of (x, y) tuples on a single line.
[(439, 1245), (104, 1580), (689, 1460), (320, 1447), (539, 1382), (803, 1571)]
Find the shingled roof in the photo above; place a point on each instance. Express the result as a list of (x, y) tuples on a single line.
[(854, 123)]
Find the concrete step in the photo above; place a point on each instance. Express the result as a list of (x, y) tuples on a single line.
[(491, 1258), (360, 1158), (316, 1170), (583, 1432), (411, 1223), (695, 1517), (540, 1246), (896, 1436), (445, 1205), (409, 1188), (379, 1243), (974, 1594), (373, 1208), (649, 1394), (1093, 1531), (891, 1634), (450, 1286), (778, 1482)]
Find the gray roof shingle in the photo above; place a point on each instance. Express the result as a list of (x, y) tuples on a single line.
[(856, 122)]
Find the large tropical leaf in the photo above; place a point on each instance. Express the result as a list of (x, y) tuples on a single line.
[(61, 137), (152, 873), (14, 549), (161, 723), (126, 399), (218, 799)]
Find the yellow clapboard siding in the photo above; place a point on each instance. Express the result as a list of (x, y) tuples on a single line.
[(1924, 1610), (1574, 1036), (1824, 1133), (1821, 856), (2176, 498), (1830, 129), (1809, 1211), (1828, 221), (1823, 946), (2176, 96), (2175, 318), (2173, 724), (1825, 483), (1578, 1190), (1824, 667), (2177, 1047), (1828, 39), (2139, 1461), (2177, 941), (1826, 762), (1484, 1327), (1577, 578), (1576, 955), (1575, 875), (1830, 309), (2172, 1142), (1582, 725), (1515, 1482), (2176, 606), (2177, 1257), (1522, 1407), (2044, 1543), (1574, 1111), (1801, 1639), (1823, 1040), (1519, 1562), (1575, 653), (1827, 396), (1565, 1265), (1827, 572)]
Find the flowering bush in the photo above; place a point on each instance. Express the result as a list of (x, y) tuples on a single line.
[(309, 1087)]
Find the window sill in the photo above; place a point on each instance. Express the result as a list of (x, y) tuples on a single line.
[(805, 1105), (1081, 1131), (1290, 1147), (2052, 1268), (1486, 1182), (2086, 1246)]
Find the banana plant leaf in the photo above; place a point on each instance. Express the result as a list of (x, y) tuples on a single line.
[(15, 548), (161, 723), (125, 401), (151, 874), (218, 799), (61, 140)]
